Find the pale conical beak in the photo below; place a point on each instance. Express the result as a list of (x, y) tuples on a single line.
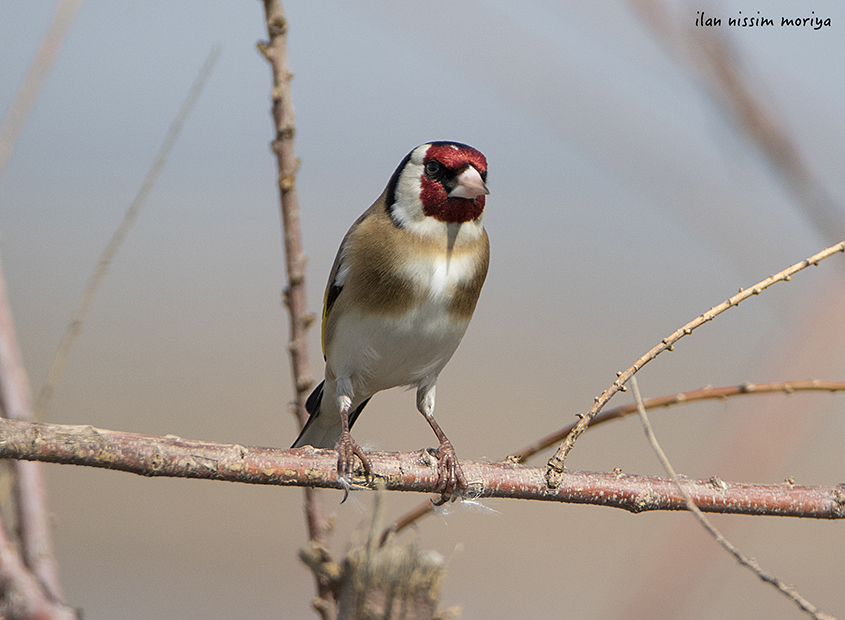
[(470, 185)]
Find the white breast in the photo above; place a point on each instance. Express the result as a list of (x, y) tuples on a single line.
[(378, 352), (440, 275)]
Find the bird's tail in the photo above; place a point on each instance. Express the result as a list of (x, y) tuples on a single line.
[(314, 433), (322, 430)]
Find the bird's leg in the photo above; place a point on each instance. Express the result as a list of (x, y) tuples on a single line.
[(347, 449), (450, 476)]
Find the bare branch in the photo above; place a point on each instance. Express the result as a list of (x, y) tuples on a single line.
[(523, 454), (275, 52), (682, 398), (170, 456), (554, 472), (788, 591)]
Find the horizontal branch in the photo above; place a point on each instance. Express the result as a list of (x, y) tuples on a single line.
[(171, 456), (681, 398), (523, 454)]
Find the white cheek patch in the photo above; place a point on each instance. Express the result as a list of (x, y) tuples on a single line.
[(407, 208)]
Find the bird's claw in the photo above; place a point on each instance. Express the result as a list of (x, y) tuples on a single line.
[(347, 450), (451, 482)]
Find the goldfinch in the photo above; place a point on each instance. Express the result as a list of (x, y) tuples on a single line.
[(400, 296)]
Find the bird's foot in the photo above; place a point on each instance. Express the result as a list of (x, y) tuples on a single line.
[(451, 482), (347, 450)]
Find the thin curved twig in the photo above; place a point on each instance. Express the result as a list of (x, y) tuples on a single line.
[(27, 93), (789, 591), (57, 366), (554, 471)]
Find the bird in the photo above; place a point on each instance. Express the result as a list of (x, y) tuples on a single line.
[(400, 295)]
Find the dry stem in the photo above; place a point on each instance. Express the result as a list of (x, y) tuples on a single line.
[(170, 456), (275, 52), (554, 472)]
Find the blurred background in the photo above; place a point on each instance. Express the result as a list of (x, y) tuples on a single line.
[(642, 170)]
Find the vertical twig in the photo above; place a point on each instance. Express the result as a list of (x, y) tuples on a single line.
[(32, 518), (719, 70), (275, 51), (41, 588)]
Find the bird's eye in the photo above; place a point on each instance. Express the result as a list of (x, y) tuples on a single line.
[(432, 168)]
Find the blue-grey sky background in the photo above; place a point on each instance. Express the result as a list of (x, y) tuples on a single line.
[(624, 202)]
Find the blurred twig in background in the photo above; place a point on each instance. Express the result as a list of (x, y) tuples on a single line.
[(30, 580), (27, 93), (717, 67), (30, 497), (57, 366)]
